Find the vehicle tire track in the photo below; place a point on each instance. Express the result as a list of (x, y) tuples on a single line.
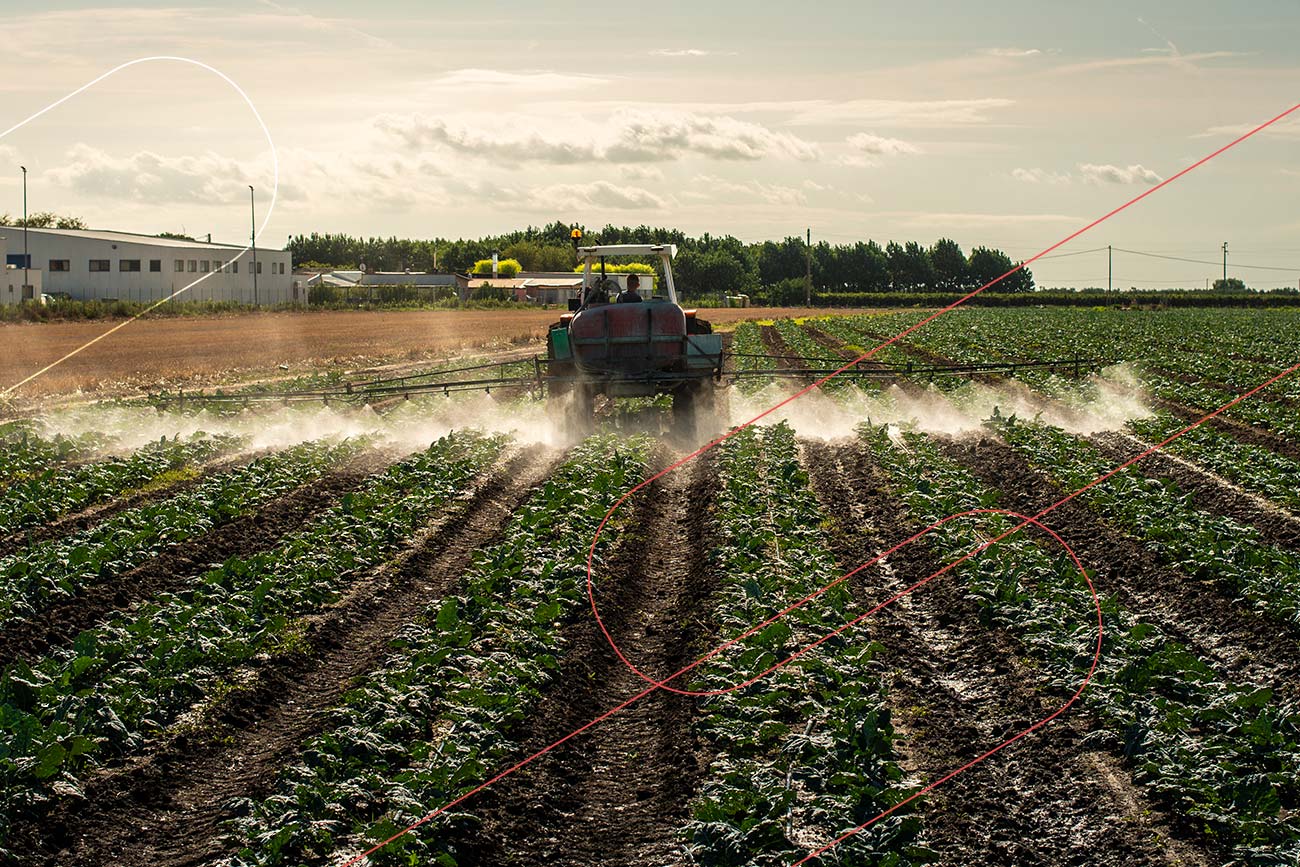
[(175, 566), (166, 810), (958, 689), (620, 794)]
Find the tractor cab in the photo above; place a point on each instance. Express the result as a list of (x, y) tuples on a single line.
[(632, 340)]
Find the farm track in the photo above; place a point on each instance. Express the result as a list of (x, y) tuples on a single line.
[(618, 794), (176, 566), (1240, 643), (775, 344), (97, 513), (1210, 492), (165, 810), (957, 689)]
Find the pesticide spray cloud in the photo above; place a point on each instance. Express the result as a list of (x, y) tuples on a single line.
[(1103, 402), (408, 426)]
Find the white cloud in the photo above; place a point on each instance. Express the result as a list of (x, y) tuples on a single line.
[(680, 52), (1040, 176), (1134, 174), (1013, 52), (895, 112), (641, 173), (716, 189), (876, 144), (628, 136), (598, 194), (1282, 129), (145, 176), (498, 80)]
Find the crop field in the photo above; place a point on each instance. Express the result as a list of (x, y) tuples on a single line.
[(266, 635)]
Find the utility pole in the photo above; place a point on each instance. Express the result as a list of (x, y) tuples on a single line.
[(1225, 263), (27, 259), (807, 288), (252, 212), (1108, 269)]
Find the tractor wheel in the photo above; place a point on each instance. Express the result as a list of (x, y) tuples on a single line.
[(694, 410), (580, 412)]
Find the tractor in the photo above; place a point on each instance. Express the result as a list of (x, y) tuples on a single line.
[(629, 341)]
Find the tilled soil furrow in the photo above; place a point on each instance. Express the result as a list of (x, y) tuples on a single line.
[(1209, 492), (166, 809), (957, 689), (619, 793), (1240, 431), (1238, 641), (176, 566)]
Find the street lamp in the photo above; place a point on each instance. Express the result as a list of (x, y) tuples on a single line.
[(27, 259), (252, 212)]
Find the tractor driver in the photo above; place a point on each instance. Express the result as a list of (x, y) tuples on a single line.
[(630, 295)]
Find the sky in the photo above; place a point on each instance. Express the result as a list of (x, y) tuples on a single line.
[(1008, 124)]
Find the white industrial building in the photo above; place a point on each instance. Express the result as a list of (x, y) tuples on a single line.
[(87, 264), (12, 287)]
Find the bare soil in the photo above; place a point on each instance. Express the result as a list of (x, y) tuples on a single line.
[(619, 794), (200, 351)]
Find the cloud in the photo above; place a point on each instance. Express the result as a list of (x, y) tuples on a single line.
[(1186, 62), (1040, 176), (875, 144), (146, 176), (627, 136), (894, 112), (500, 81), (1282, 129), (715, 189), (1013, 52), (641, 173), (598, 194), (689, 52), (1134, 174), (867, 147)]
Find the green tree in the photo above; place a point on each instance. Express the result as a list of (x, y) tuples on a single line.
[(950, 270), (987, 265), (1231, 286)]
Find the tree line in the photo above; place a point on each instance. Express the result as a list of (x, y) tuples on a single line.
[(706, 265)]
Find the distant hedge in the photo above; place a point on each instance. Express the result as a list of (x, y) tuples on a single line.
[(1057, 299)]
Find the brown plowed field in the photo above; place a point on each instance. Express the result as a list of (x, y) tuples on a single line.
[(207, 350)]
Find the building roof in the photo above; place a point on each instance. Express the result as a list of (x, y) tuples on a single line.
[(415, 278), (131, 238)]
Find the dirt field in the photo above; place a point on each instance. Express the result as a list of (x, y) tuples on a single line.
[(207, 350)]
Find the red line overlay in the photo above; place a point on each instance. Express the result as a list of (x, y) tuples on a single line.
[(1034, 520)]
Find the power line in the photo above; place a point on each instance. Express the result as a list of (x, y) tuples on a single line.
[(1204, 261)]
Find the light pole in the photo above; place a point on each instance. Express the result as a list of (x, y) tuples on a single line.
[(252, 213), (27, 259)]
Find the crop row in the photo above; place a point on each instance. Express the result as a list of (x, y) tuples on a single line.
[(24, 453), (438, 716), (32, 578), (130, 678), (1203, 545), (42, 496), (1256, 469), (1223, 757), (750, 354), (807, 751)]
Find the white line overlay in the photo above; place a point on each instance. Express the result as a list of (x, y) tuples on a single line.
[(275, 189)]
